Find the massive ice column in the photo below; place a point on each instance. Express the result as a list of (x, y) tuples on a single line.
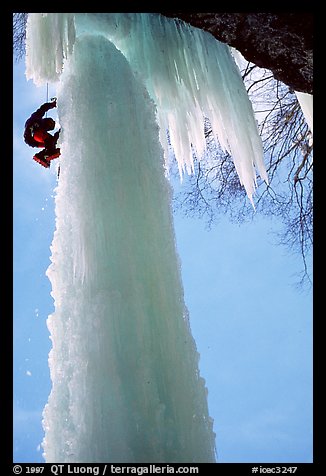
[(124, 366)]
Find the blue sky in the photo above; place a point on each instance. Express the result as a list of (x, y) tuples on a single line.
[(252, 327)]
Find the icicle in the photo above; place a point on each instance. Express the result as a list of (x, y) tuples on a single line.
[(49, 40), (188, 73), (306, 104)]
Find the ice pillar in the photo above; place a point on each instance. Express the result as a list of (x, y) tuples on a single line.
[(124, 366)]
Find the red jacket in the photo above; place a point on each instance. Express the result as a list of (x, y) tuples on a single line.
[(35, 127)]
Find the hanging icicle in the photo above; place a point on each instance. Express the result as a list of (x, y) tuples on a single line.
[(188, 73)]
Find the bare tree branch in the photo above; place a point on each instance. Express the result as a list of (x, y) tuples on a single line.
[(215, 188), (19, 34)]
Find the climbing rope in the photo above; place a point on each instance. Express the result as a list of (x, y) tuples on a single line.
[(47, 97), (46, 115)]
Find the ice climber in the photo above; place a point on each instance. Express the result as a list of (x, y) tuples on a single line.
[(36, 134)]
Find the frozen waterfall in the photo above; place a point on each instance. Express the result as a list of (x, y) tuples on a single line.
[(124, 366)]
